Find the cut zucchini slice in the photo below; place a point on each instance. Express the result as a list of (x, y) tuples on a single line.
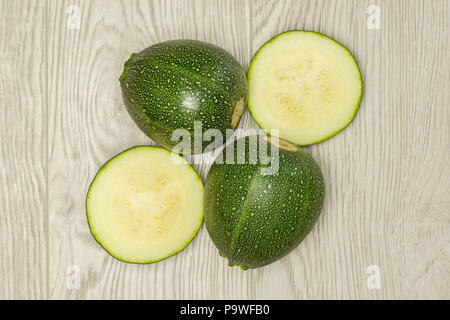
[(304, 84), (145, 205)]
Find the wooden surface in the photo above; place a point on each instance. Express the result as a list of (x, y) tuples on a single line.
[(387, 175)]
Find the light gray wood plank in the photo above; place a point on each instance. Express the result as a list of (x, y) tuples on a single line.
[(387, 174), (23, 259), (88, 124)]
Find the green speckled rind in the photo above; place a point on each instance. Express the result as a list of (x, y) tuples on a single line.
[(173, 84), (256, 219)]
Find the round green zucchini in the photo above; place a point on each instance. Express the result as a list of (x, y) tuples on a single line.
[(253, 218), (182, 84)]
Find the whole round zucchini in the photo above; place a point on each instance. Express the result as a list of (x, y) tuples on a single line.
[(183, 84), (255, 218)]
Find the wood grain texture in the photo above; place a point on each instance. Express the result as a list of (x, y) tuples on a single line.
[(89, 123), (387, 174), (23, 258)]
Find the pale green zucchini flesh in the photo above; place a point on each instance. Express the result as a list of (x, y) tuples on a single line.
[(304, 84), (145, 205)]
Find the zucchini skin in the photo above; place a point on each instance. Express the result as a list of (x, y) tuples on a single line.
[(173, 84), (256, 219)]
